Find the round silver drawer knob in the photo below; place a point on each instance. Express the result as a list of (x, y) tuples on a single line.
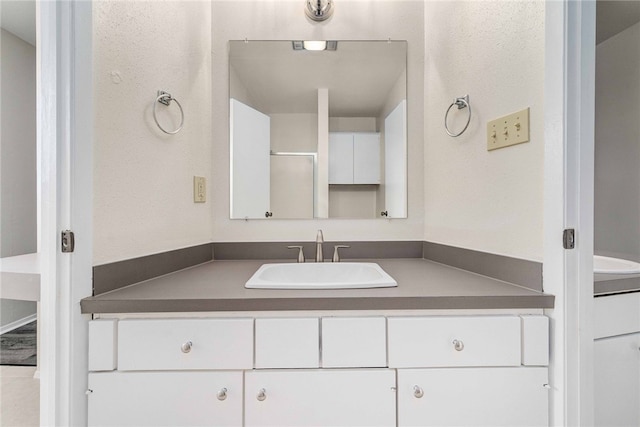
[(222, 394), (418, 392), (458, 345), (186, 347), (262, 395)]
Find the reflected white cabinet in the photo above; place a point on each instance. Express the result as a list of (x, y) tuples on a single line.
[(354, 158), (329, 397), (494, 397), (186, 398)]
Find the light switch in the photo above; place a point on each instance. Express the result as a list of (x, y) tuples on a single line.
[(199, 189), (508, 130)]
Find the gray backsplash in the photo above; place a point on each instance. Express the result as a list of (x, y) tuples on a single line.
[(115, 275), (108, 277), (278, 250)]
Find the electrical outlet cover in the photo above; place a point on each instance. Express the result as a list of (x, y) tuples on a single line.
[(199, 189)]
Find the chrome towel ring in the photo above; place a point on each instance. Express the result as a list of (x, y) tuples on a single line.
[(461, 103), (165, 98)]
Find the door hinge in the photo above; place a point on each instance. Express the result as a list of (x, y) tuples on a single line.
[(569, 238), (68, 241)]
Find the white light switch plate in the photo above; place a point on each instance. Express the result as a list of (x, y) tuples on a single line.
[(199, 189), (508, 130)]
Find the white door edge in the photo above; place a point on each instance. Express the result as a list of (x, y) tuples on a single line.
[(568, 274), (65, 141)]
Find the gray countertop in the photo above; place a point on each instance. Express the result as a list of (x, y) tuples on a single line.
[(606, 284), (219, 286)]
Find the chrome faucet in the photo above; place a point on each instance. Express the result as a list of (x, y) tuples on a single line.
[(300, 252), (319, 242), (336, 254)]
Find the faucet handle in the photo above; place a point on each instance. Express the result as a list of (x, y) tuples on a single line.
[(300, 253), (336, 255)]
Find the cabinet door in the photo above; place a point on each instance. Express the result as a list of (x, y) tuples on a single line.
[(250, 163), (366, 158), (617, 381), (363, 397), (340, 158), (165, 399), (473, 397), (292, 186), (395, 161)]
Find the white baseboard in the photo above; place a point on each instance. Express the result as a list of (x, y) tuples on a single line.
[(15, 325)]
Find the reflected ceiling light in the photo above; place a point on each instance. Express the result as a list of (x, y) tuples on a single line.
[(315, 44), (319, 10)]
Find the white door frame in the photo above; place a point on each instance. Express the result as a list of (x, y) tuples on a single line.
[(65, 145), (569, 173)]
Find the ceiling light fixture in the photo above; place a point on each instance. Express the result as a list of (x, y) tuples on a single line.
[(319, 10)]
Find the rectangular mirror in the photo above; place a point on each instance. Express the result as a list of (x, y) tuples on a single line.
[(318, 133)]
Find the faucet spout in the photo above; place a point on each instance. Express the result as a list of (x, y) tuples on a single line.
[(319, 242)]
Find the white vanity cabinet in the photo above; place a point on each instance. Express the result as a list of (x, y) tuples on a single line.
[(319, 371), (321, 397), (354, 158), (617, 360)]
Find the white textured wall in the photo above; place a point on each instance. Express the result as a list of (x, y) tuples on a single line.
[(18, 205), (294, 132), (14, 311), (617, 141), (493, 51), (285, 20), (143, 178)]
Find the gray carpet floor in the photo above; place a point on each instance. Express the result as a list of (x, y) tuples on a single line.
[(18, 347)]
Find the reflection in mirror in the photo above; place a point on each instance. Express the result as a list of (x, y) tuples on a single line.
[(318, 134)]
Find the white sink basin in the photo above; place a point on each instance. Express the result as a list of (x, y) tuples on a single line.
[(607, 265), (330, 275)]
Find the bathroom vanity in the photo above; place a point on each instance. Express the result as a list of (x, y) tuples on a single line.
[(445, 347)]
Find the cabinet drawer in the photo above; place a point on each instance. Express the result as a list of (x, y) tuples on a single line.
[(358, 342), (454, 341), (288, 343), (159, 344), (617, 315)]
